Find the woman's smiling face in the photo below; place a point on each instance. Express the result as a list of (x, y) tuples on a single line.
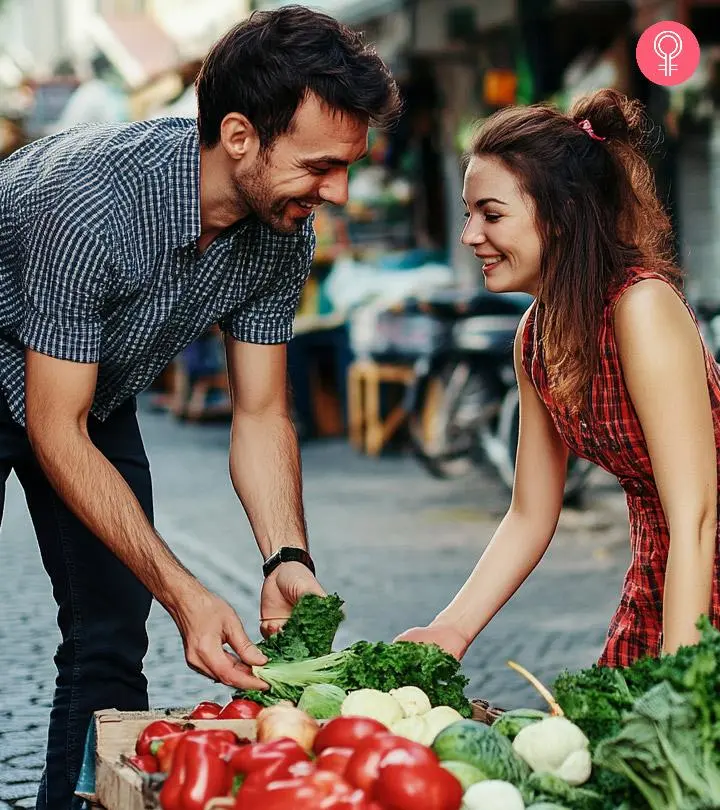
[(501, 227)]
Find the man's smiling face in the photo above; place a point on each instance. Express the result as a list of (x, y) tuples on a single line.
[(304, 167)]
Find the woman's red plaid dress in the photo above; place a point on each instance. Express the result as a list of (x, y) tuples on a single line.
[(609, 434)]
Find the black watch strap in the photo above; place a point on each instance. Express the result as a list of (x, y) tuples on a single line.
[(288, 554)]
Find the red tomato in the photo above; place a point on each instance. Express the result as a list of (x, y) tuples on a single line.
[(207, 710), (240, 709), (406, 787), (334, 759), (364, 765), (346, 732)]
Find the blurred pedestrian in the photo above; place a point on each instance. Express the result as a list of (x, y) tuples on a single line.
[(119, 245), (101, 99), (610, 366)]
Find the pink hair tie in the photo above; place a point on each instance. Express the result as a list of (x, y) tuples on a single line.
[(587, 127)]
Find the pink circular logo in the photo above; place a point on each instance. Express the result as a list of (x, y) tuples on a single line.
[(667, 53)]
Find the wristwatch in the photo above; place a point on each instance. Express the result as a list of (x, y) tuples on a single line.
[(287, 554)]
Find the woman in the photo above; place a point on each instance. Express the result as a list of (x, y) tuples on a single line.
[(610, 365)]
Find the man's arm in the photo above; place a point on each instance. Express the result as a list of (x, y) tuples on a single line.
[(266, 471), (58, 396), (664, 370), (264, 456)]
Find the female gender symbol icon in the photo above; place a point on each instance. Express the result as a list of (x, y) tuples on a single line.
[(668, 56), (677, 47)]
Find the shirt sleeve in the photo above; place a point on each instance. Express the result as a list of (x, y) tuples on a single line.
[(64, 276), (269, 317)]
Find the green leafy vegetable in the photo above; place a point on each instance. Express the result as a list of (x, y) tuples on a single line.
[(309, 632), (597, 700), (665, 752), (301, 655), (367, 665), (594, 699), (545, 787), (263, 698)]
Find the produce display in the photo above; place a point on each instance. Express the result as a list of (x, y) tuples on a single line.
[(385, 727)]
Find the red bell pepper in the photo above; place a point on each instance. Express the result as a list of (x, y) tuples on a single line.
[(315, 791), (223, 739), (240, 709), (258, 756), (207, 710), (406, 787), (278, 771), (164, 750), (154, 731), (172, 786), (146, 763), (206, 774)]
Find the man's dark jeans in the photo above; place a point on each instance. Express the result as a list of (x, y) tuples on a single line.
[(102, 607)]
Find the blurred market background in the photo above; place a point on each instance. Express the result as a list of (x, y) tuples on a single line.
[(404, 482)]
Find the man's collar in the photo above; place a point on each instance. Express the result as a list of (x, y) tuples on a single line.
[(184, 200)]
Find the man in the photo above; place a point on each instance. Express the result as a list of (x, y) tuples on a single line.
[(119, 245)]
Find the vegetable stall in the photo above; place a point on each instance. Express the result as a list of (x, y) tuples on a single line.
[(381, 726)]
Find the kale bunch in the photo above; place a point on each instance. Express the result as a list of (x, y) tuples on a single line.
[(602, 701), (596, 699), (309, 632), (301, 654), (694, 671), (366, 665), (405, 663)]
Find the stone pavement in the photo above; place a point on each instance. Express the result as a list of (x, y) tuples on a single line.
[(395, 543)]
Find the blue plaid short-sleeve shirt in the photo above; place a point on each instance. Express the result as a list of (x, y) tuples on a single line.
[(99, 263)]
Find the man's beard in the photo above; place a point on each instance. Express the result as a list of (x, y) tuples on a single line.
[(254, 193)]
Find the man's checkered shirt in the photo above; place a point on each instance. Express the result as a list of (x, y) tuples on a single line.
[(98, 259)]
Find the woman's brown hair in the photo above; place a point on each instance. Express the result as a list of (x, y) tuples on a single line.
[(597, 212)]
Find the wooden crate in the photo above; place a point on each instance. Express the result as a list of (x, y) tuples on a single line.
[(118, 785)]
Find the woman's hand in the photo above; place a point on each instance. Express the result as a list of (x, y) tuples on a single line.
[(444, 635)]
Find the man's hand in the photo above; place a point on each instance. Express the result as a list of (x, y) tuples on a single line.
[(206, 623), (444, 635), (281, 590)]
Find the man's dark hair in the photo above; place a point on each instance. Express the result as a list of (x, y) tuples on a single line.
[(267, 65)]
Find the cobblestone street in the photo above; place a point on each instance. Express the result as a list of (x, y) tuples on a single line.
[(395, 543)]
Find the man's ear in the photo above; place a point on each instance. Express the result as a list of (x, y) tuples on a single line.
[(239, 137)]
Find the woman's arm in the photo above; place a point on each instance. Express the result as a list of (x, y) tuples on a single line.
[(664, 370), (524, 534)]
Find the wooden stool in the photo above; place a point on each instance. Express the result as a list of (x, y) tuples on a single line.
[(366, 427)]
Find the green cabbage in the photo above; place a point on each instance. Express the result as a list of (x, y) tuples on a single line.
[(322, 700)]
